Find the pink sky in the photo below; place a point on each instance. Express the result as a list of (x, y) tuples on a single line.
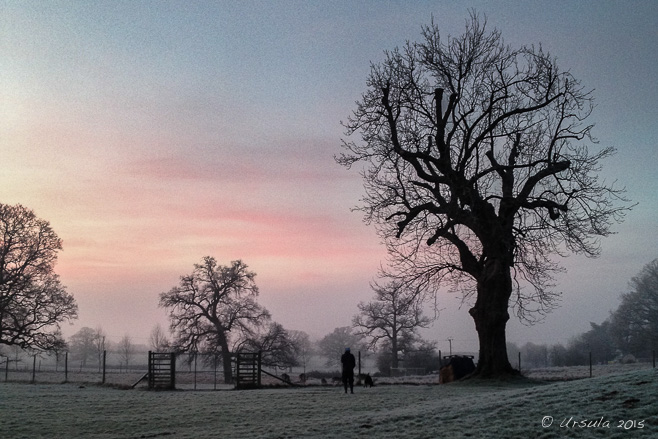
[(151, 134)]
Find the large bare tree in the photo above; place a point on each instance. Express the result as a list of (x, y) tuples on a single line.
[(33, 302), (393, 317), (212, 304), (479, 167)]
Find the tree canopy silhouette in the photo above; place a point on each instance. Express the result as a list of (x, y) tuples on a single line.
[(392, 318), (211, 305), (479, 166), (33, 302)]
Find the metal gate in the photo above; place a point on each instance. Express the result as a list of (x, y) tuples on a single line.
[(162, 370), (247, 370)]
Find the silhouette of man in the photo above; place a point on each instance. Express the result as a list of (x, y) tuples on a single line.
[(348, 361)]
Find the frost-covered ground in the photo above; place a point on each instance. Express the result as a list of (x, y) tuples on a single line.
[(610, 406)]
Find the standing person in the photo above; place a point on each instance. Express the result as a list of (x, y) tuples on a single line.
[(349, 362)]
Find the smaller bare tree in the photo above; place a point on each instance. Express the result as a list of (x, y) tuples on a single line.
[(158, 339), (393, 317), (303, 346), (82, 345), (332, 346), (99, 344), (277, 346), (126, 350)]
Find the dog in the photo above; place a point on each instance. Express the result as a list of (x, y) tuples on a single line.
[(367, 380)]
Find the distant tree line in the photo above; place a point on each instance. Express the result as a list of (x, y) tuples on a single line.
[(630, 333)]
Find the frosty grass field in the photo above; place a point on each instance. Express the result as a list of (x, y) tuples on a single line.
[(622, 405)]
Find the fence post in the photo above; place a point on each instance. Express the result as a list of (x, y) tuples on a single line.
[(195, 357), (7, 370), (34, 368), (214, 366), (173, 371), (590, 364), (66, 367), (104, 358), (359, 365), (259, 366), (519, 361), (150, 369)]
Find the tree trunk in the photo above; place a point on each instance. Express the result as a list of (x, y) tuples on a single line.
[(490, 315), (394, 350), (226, 359), (227, 364)]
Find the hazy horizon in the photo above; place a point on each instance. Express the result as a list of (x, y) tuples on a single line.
[(151, 134)]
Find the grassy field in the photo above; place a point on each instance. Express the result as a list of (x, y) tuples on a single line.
[(613, 406)]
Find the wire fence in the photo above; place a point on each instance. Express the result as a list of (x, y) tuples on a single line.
[(43, 368), (205, 371), (193, 371), (408, 371), (541, 358)]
